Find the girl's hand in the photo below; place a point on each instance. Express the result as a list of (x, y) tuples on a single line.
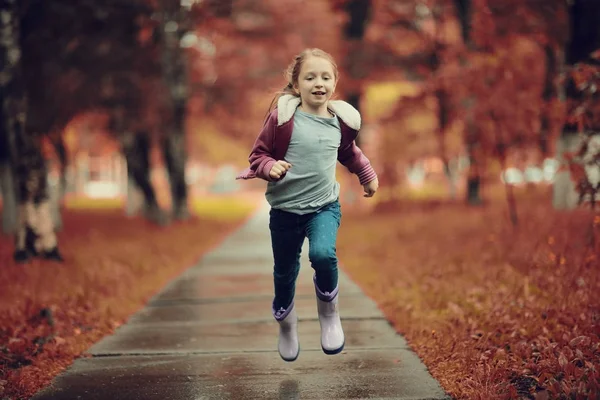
[(279, 169), (371, 187)]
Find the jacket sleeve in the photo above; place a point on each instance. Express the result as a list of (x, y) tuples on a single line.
[(261, 157), (357, 163)]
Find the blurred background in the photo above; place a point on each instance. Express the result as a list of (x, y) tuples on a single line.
[(151, 103), (125, 122)]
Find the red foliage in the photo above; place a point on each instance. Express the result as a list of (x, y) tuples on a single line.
[(248, 53), (494, 311), (51, 313)]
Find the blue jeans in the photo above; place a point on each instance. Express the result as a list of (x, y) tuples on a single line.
[(288, 232)]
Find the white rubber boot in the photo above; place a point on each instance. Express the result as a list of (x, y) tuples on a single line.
[(332, 334), (287, 344)]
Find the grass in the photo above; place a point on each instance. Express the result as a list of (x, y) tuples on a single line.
[(221, 208), (493, 311)]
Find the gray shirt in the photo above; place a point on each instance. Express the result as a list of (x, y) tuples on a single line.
[(310, 183)]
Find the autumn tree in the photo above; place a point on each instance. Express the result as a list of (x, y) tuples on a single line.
[(407, 41), (356, 14), (126, 59), (173, 31), (35, 230), (580, 100), (502, 103), (67, 59), (242, 50), (74, 69)]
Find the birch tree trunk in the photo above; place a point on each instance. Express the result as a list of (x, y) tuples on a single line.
[(34, 230)]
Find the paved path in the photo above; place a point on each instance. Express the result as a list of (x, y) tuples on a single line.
[(210, 335)]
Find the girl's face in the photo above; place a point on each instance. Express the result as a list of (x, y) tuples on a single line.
[(316, 83)]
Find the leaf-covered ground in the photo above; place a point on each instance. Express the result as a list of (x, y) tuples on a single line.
[(51, 313), (493, 311)]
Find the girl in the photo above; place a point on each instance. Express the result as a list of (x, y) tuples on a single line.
[(296, 152)]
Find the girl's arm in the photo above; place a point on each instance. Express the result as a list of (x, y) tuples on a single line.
[(357, 163), (261, 157)]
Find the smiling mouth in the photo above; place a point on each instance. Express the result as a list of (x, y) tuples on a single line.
[(319, 93)]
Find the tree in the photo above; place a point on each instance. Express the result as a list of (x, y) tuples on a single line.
[(358, 14), (408, 40), (242, 50), (463, 12), (580, 101), (109, 59), (503, 96), (35, 231), (67, 59), (173, 33)]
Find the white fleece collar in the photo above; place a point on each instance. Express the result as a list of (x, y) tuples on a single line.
[(287, 104)]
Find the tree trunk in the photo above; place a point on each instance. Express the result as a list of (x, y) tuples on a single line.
[(464, 12), (501, 147), (585, 31), (175, 76), (175, 156), (35, 228), (136, 148), (135, 201), (584, 39), (58, 195), (548, 94), (473, 188), (472, 140), (359, 12), (443, 99), (221, 8), (7, 185), (443, 113), (34, 231), (474, 176), (9, 202), (353, 98), (451, 171), (564, 193)]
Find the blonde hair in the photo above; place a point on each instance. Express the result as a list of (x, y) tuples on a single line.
[(293, 72)]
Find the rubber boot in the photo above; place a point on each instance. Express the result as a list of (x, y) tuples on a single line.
[(332, 334), (288, 345)]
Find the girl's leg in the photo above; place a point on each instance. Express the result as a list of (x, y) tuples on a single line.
[(322, 231), (322, 234), (287, 237)]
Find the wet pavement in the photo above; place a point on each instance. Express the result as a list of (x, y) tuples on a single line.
[(210, 335)]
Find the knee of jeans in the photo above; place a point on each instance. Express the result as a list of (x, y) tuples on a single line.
[(286, 277), (322, 257)]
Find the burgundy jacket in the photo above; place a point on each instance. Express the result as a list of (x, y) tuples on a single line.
[(274, 138)]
